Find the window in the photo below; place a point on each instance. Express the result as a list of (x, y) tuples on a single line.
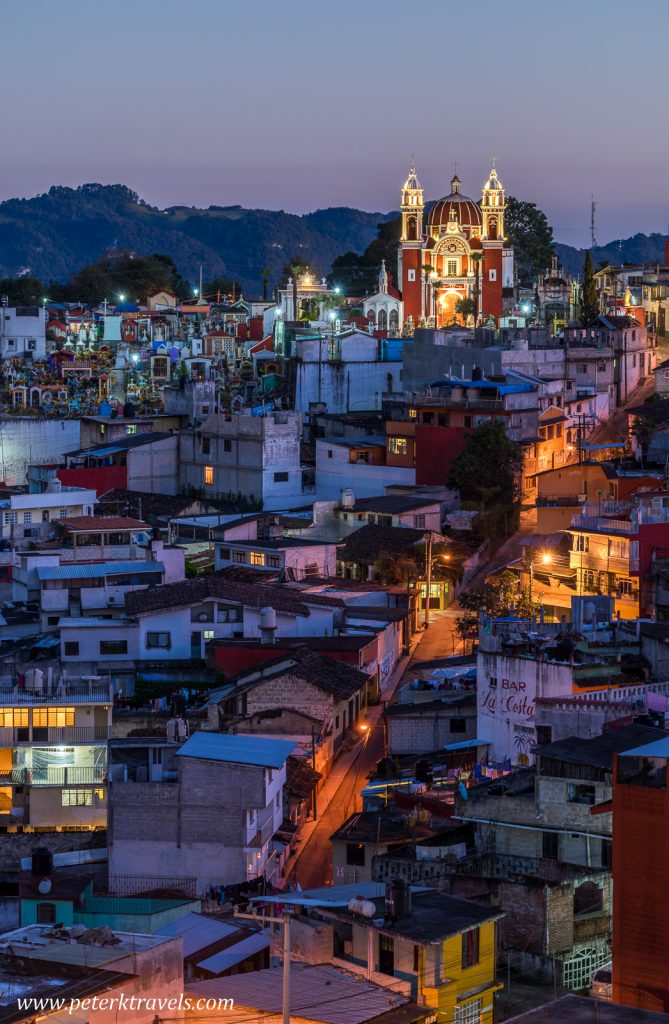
[(411, 275), (27, 517), (281, 478), (55, 718), (470, 948), (416, 959), (458, 725), (470, 1013), (209, 475), (277, 800), (257, 558), (46, 913), (329, 453), (227, 445), (71, 648), (588, 899), (16, 718), (32, 344), (443, 419), (205, 445), (157, 639), (10, 518), (397, 445), (62, 513), (45, 515), (549, 845), (273, 562), (493, 682), (452, 268), (208, 634), (580, 794), (224, 553), (386, 954), (131, 428), (419, 522), (581, 543), (239, 557), (113, 647), (76, 798), (492, 275)]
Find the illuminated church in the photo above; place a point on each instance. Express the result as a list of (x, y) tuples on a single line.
[(457, 252)]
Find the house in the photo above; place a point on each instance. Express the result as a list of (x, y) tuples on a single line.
[(216, 824), (78, 589), (319, 994), (440, 950), (290, 557), (256, 457), (414, 511), (26, 517), (367, 835), (23, 332), (126, 971), (143, 462), (217, 949), (53, 752), (334, 693), (640, 808), (358, 463), (421, 721)]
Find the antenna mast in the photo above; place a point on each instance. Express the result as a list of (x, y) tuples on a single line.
[(593, 207)]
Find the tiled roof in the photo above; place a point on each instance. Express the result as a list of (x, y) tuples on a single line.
[(370, 542), (337, 678), (254, 595), (93, 524)]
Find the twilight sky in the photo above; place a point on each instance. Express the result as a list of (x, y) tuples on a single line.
[(303, 104)]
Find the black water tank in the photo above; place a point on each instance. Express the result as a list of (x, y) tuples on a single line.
[(42, 861), (398, 899)]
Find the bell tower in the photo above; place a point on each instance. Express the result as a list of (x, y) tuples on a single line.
[(409, 268), (493, 207)]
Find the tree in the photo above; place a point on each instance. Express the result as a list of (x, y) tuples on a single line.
[(357, 274), (221, 289), (265, 275), (531, 235), (642, 428), (486, 471), (22, 291), (465, 308), (590, 305), (502, 598)]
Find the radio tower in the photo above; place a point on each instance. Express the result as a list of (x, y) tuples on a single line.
[(593, 207)]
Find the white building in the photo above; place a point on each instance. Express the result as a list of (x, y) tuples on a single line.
[(23, 332), (359, 464), (346, 372), (383, 309), (27, 517)]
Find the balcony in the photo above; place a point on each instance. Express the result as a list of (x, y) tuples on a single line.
[(66, 736), (85, 692), (54, 776), (602, 524), (257, 838)]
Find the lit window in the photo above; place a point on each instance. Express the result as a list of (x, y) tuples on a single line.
[(208, 634), (397, 445), (452, 268), (55, 718), (257, 558), (76, 797), (209, 475), (13, 718), (131, 428)]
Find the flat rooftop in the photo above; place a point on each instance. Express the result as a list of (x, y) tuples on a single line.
[(581, 1010), (38, 942)]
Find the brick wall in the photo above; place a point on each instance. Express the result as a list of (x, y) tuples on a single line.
[(525, 922)]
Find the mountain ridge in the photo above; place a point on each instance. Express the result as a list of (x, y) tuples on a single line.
[(53, 235)]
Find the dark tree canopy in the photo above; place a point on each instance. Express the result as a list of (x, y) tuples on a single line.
[(590, 306), (531, 235), (123, 273), (358, 274), (486, 474)]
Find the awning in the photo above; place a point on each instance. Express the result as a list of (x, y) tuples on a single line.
[(467, 744)]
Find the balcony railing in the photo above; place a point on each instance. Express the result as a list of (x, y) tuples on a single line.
[(602, 524), (26, 735), (84, 693), (54, 776)]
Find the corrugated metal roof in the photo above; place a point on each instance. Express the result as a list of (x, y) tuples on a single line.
[(466, 744), (237, 749), (234, 955), (197, 931), (95, 570), (659, 748)]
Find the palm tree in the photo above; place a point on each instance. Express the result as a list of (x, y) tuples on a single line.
[(265, 275)]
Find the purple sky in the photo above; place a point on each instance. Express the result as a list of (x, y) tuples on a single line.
[(305, 104)]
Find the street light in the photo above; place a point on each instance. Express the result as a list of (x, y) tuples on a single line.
[(121, 297), (545, 557), (429, 562)]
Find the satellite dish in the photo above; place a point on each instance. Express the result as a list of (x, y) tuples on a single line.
[(45, 886)]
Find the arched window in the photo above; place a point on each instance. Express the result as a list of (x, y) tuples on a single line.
[(412, 229), (588, 899), (46, 913), (382, 322), (394, 320), (371, 315), (492, 228)]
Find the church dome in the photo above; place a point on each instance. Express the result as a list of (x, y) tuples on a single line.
[(467, 211)]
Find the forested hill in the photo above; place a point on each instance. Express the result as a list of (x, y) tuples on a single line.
[(51, 236)]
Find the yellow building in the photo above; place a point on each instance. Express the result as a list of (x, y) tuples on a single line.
[(600, 557)]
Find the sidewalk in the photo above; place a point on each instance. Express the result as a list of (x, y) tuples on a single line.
[(331, 790)]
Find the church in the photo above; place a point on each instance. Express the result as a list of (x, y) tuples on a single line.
[(457, 252)]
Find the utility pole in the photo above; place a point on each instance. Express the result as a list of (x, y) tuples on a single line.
[(285, 921), (593, 207), (313, 762), (201, 296), (428, 574)]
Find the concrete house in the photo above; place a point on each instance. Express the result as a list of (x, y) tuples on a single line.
[(214, 824)]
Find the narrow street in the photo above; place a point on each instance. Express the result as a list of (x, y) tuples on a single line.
[(340, 794)]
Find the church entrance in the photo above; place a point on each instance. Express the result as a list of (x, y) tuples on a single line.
[(447, 314)]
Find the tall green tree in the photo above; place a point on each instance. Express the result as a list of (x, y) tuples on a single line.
[(528, 230), (590, 305), (486, 474)]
